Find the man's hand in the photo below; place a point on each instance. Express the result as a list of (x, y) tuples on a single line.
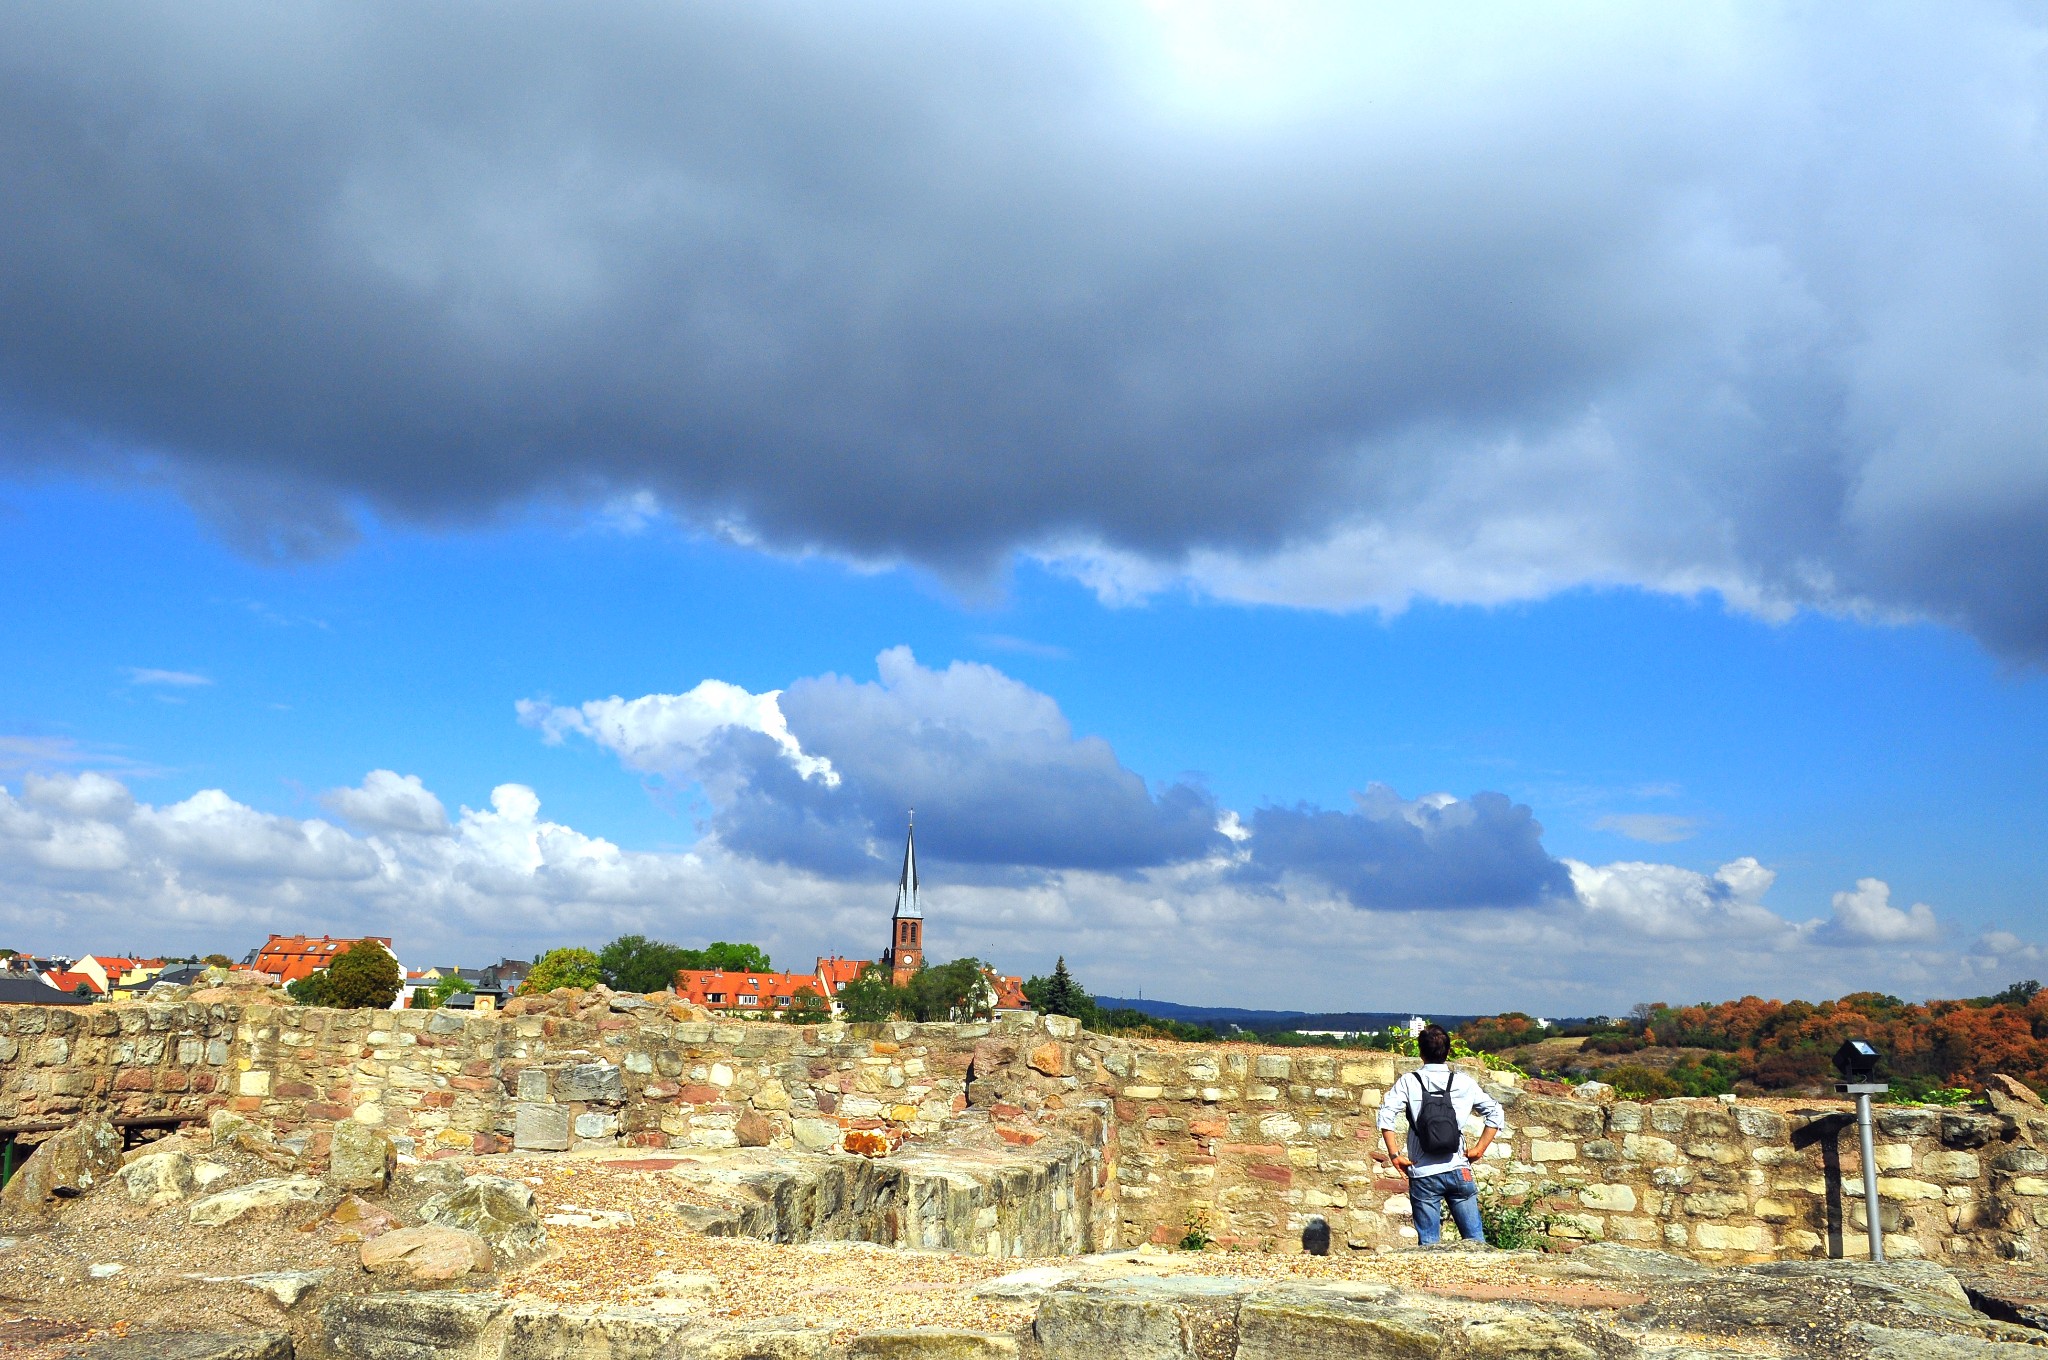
[(1478, 1149), (1402, 1163)]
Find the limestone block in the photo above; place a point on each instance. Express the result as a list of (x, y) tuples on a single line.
[(218, 1210), (1644, 1147), (1273, 1066), (1731, 1237), (1139, 1318), (1899, 1187), (1708, 1204), (597, 1124), (1753, 1122), (2020, 1159), (540, 1128), (160, 1179), (1530, 1337), (241, 1344), (426, 1254), (1612, 1198), (1951, 1166), (2027, 1185), (68, 1163), (1280, 1126), (360, 1158), (1287, 1324), (595, 1082), (771, 1095), (1549, 1150), (533, 1084), (816, 1135), (498, 1210), (932, 1343), (1894, 1156), (253, 1083), (1775, 1211)]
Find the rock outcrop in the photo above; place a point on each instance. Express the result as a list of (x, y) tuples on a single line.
[(68, 1164)]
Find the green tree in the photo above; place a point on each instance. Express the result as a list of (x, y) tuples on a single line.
[(218, 961), (871, 996), (1060, 995), (562, 968), (949, 991), (362, 977), (806, 1007), (310, 990), (437, 995), (634, 963), (733, 958)]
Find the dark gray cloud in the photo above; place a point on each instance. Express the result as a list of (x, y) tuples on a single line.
[(1329, 310), (1432, 854)]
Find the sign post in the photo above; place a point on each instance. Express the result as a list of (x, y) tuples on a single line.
[(1857, 1062)]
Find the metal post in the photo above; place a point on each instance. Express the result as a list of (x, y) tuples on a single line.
[(1869, 1176)]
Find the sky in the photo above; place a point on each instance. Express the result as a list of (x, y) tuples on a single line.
[(1314, 506)]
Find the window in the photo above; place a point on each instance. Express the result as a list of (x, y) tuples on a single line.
[(715, 998), (750, 1001), (782, 1001)]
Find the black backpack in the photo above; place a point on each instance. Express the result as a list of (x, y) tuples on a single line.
[(1436, 1121)]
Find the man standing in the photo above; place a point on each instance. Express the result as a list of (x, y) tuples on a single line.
[(1438, 1101)]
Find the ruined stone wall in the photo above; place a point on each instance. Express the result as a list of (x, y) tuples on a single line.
[(1249, 1145), (1244, 1144)]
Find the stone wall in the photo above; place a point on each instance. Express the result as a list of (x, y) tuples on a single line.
[(1249, 1145), (1243, 1143)]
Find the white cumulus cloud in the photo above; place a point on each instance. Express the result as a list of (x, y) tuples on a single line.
[(1865, 915), (670, 733)]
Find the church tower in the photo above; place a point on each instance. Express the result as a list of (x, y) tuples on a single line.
[(905, 954)]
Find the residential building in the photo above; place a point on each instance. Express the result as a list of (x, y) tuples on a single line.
[(744, 993), (287, 958)]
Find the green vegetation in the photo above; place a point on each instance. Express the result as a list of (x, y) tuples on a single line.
[(806, 1007), (1060, 994), (1196, 1221), (1516, 1224), (362, 977), (437, 995), (634, 963), (562, 968), (944, 991)]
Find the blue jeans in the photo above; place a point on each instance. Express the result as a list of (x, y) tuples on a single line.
[(1427, 1196)]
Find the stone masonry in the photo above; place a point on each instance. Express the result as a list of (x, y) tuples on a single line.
[(1247, 1144)]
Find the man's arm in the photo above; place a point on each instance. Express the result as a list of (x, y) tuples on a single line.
[(1391, 1106), (1489, 1110)]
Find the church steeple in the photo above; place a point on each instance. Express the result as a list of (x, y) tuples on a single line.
[(905, 954)]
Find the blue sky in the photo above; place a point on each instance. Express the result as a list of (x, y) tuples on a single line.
[(1315, 505)]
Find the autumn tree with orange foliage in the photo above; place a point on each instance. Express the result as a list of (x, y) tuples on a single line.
[(1784, 1044)]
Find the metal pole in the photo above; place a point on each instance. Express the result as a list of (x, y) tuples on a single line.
[(1869, 1177)]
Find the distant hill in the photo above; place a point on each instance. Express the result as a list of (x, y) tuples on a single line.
[(1268, 1022)]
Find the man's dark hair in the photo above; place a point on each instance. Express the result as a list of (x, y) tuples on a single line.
[(1435, 1045)]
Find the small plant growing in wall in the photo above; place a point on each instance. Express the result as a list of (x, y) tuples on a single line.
[(1518, 1222), (1197, 1224)]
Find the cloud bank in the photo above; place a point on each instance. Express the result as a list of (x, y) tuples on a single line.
[(1322, 306)]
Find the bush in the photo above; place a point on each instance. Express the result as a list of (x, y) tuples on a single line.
[(1631, 1082), (562, 968), (1516, 1224), (362, 977), (1615, 1044), (437, 995)]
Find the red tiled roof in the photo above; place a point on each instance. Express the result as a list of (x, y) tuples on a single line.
[(68, 982), (748, 993), (836, 973), (291, 957)]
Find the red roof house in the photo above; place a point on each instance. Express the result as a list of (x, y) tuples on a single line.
[(287, 958)]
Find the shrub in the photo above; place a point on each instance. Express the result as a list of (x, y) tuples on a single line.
[(1517, 1224), (1197, 1235), (362, 977), (1632, 1082), (562, 968)]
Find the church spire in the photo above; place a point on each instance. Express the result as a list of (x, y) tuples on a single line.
[(906, 887)]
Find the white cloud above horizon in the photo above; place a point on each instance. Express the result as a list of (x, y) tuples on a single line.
[(91, 867)]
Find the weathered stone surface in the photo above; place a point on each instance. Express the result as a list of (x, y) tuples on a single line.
[(597, 1082), (2011, 1096), (285, 1287), (932, 1343), (1137, 1319), (1894, 1343), (280, 1192), (1531, 1336), (69, 1163), (408, 1326), (541, 1128), (426, 1254), (242, 1344), (361, 1158), (1050, 1059), (816, 1135), (759, 1342), (498, 1210), (754, 1130), (358, 1220), (164, 1178), (1287, 1323), (547, 1332)]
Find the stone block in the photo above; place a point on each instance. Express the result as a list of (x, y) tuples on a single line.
[(1530, 1337), (1902, 1188), (600, 1083), (241, 1344), (816, 1135), (1608, 1198), (1753, 1237), (360, 1158), (1134, 1319), (426, 1255), (1951, 1166), (540, 1128), (932, 1343), (408, 1326), (1552, 1150), (281, 1192), (597, 1124), (1289, 1324), (1272, 1066), (533, 1084), (1894, 1156)]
